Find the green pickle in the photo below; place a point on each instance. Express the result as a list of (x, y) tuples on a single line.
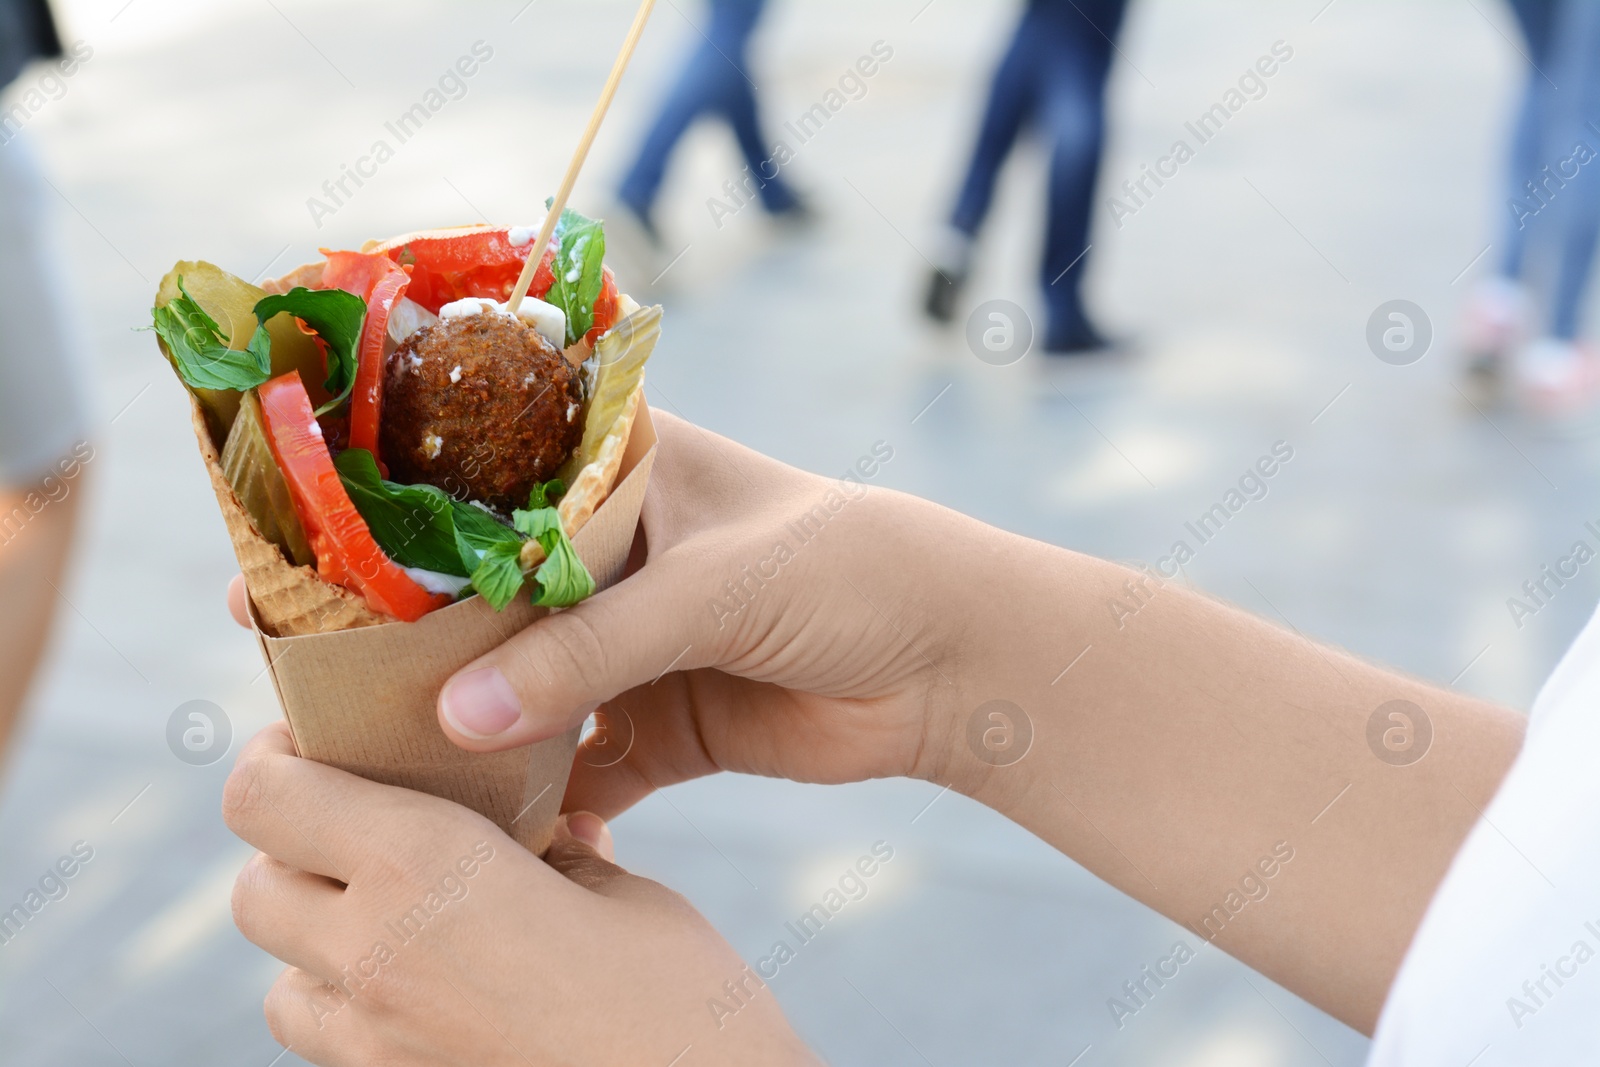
[(620, 357), (248, 463), (231, 302)]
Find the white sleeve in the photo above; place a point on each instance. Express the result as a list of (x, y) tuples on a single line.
[(1505, 969)]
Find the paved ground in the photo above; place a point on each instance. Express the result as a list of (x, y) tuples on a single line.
[(1402, 525)]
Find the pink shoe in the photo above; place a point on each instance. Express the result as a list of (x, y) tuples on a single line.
[(1494, 324)]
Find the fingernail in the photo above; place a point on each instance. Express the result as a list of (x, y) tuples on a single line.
[(586, 827), (481, 703)]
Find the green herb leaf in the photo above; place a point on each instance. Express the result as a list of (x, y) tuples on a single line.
[(579, 260), (561, 580), (336, 316), (413, 524), (479, 528), (545, 496), (421, 526), (498, 577), (201, 351)]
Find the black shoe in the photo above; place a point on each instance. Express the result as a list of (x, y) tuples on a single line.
[(797, 215), (944, 287), (1080, 339)]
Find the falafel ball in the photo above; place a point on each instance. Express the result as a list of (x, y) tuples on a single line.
[(481, 406)]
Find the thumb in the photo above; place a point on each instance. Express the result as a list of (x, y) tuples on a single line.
[(582, 852), (549, 677)]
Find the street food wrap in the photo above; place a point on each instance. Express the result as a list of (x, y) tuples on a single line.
[(410, 474)]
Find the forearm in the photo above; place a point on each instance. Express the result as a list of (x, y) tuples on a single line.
[(1190, 747)]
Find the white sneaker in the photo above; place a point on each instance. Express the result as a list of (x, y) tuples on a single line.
[(1558, 379), (1494, 324)]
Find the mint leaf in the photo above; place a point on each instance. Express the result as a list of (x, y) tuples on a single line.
[(499, 576), (421, 526), (561, 580), (544, 496), (479, 528), (201, 351), (336, 316), (579, 260)]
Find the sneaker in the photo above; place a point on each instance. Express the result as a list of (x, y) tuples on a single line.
[(944, 288), (1080, 339), (799, 215), (1494, 324), (952, 267), (1082, 372), (1558, 380)]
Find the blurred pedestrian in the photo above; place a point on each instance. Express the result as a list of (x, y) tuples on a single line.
[(43, 412), (715, 81), (1528, 314), (1052, 79)]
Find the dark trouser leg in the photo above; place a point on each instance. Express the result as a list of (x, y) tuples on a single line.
[(1012, 97), (1536, 17), (713, 77), (1577, 219), (1073, 117)]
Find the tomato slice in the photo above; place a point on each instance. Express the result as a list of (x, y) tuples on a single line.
[(448, 265), (345, 550), (605, 307), (381, 283)]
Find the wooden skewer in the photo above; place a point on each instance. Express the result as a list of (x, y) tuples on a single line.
[(536, 253)]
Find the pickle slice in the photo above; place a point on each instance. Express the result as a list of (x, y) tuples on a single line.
[(231, 302), (250, 468), (620, 357)]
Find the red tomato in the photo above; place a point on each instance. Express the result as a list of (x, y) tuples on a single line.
[(345, 550), (381, 283), (605, 307), (447, 265)]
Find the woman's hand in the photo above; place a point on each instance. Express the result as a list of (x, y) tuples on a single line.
[(417, 934), (785, 625)]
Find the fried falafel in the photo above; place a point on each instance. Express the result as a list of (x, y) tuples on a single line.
[(482, 406)]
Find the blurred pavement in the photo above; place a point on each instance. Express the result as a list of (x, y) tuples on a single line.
[(1403, 523)]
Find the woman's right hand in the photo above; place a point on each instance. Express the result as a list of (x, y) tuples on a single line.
[(784, 624)]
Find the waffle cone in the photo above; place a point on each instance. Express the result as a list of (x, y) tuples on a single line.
[(358, 688), (288, 600)]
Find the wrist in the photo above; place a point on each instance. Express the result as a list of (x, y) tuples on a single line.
[(1039, 612)]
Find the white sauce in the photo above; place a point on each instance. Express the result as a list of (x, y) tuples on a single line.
[(518, 236), (434, 582), (572, 410), (468, 306), (455, 375), (431, 445), (549, 320)]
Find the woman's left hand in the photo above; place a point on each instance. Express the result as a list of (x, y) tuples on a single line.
[(417, 933)]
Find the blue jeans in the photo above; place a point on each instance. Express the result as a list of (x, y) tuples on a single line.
[(1555, 223), (715, 81), (1052, 78)]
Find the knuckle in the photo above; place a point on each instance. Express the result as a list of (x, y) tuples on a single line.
[(573, 651), (278, 1008), (245, 899), (244, 792)]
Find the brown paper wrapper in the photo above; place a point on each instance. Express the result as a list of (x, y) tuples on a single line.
[(359, 689)]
